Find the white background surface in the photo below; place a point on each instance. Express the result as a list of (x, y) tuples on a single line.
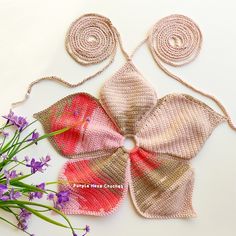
[(32, 46)]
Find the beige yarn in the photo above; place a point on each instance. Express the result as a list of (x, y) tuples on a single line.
[(175, 40)]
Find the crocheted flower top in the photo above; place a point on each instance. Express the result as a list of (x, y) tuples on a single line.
[(168, 131)]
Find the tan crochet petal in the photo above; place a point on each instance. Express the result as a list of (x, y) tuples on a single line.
[(161, 187), (127, 97), (179, 126)]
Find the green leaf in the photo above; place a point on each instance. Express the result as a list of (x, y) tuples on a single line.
[(31, 188), (19, 203)]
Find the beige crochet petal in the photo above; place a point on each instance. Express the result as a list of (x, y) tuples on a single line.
[(179, 125), (161, 187), (127, 97)]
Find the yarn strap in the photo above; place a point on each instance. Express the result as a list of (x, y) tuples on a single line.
[(90, 40), (176, 40)]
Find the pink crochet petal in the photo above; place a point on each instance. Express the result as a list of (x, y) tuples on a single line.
[(127, 97), (97, 186), (161, 187), (179, 126), (91, 131)]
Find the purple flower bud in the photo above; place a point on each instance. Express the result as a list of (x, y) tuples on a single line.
[(4, 157), (23, 218), (45, 160), (50, 196), (27, 159), (35, 135), (87, 229), (76, 113), (9, 117), (3, 189), (5, 134), (31, 196)]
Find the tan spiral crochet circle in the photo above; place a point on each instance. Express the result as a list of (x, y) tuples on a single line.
[(175, 39), (91, 39)]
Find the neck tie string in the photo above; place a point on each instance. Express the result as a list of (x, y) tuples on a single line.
[(176, 40)]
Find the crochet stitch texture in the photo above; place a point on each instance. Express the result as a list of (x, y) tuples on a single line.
[(169, 132)]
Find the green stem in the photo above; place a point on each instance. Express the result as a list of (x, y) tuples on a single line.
[(45, 136), (17, 145), (15, 226), (8, 222), (4, 139), (9, 143), (40, 205)]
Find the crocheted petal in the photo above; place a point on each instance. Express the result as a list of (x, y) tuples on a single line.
[(160, 186), (97, 186), (127, 97), (179, 125), (91, 131)]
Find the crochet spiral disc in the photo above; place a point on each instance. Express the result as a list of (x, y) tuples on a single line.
[(91, 39), (175, 40)]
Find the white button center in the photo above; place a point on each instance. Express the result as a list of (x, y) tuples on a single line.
[(129, 143)]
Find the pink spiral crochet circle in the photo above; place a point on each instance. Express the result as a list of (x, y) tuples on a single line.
[(175, 40), (91, 39)]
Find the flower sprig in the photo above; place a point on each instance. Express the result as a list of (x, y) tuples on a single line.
[(17, 197)]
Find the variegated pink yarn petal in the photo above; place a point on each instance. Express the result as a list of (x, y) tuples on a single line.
[(92, 133), (179, 126), (160, 186), (127, 97), (97, 186)]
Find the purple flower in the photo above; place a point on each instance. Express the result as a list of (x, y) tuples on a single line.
[(14, 195), (10, 175), (19, 121), (35, 166), (38, 195), (23, 218), (45, 160), (15, 159), (35, 135), (62, 198), (3, 189), (87, 229)]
